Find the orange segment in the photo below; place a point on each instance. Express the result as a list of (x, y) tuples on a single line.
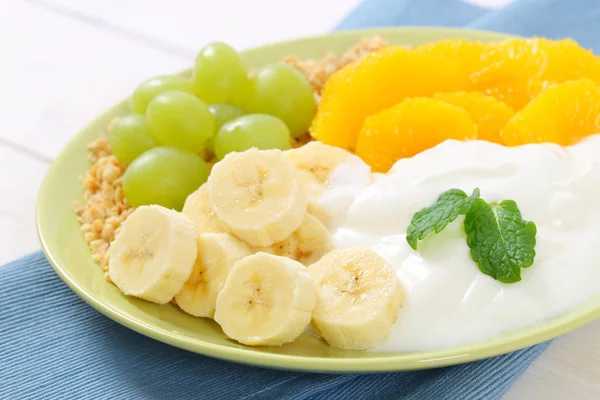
[(511, 58), (566, 60), (537, 86), (507, 68), (375, 82), (515, 93), (488, 113), (592, 71), (467, 53), (563, 114), (410, 127)]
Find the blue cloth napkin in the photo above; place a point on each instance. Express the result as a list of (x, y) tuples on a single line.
[(54, 346), (577, 19)]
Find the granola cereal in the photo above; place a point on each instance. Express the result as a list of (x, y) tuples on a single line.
[(105, 208)]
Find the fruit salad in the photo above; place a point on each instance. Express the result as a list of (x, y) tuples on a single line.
[(383, 197)]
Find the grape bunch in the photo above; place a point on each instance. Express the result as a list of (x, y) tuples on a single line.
[(176, 122)]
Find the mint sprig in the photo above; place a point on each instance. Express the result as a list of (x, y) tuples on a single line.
[(501, 242), (435, 218)]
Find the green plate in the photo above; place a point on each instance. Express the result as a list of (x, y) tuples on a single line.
[(68, 253)]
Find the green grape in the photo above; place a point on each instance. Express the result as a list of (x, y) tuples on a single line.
[(222, 113), (220, 76), (255, 130), (151, 88), (164, 176), (129, 137), (282, 91), (181, 120)]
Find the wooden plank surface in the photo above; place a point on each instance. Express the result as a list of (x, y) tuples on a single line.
[(63, 72), (67, 60), (185, 25), (19, 183)]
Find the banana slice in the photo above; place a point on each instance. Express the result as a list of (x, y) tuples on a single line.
[(307, 244), (153, 254), (256, 194), (267, 301), (199, 210), (217, 252), (314, 163), (358, 298)]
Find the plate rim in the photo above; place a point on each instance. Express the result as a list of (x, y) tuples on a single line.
[(387, 361)]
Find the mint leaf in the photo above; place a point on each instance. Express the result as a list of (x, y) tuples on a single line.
[(435, 218), (501, 242)]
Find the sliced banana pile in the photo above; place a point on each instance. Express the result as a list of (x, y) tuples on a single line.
[(239, 253)]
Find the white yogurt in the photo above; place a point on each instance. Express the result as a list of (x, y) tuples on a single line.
[(449, 301)]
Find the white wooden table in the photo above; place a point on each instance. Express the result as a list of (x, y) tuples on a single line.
[(65, 61)]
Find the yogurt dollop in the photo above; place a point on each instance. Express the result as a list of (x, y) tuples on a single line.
[(448, 300)]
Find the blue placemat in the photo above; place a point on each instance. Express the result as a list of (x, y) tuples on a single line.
[(54, 346)]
